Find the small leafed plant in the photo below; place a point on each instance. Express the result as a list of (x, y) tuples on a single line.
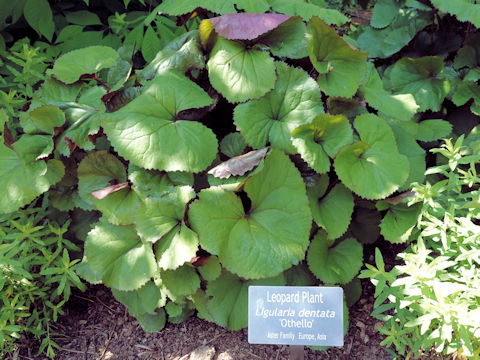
[(36, 277), (433, 298)]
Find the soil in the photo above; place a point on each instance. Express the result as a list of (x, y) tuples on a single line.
[(97, 327)]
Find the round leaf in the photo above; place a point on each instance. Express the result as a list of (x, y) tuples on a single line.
[(118, 207), (373, 168), (148, 183), (159, 220), (182, 53), (211, 270), (152, 322), (338, 264), (89, 60), (22, 176), (234, 71), (147, 131), (399, 221), (38, 14), (95, 172), (341, 68), (269, 237), (233, 144), (180, 282), (424, 78), (400, 106), (333, 211), (287, 39), (120, 257), (321, 139), (294, 101), (228, 303), (47, 117)]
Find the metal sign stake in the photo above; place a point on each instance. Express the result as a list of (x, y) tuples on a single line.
[(297, 352)]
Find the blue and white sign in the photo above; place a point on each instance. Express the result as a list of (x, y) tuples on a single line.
[(295, 315)]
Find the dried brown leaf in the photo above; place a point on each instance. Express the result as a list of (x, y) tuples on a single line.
[(103, 193), (239, 165)]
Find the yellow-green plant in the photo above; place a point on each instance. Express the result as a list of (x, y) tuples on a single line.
[(433, 298)]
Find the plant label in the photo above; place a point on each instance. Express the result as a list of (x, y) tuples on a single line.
[(295, 315)]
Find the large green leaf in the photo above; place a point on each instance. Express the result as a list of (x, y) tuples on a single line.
[(95, 172), (332, 211), (180, 282), (321, 140), (149, 130), (383, 13), (82, 120), (385, 42), (425, 78), (56, 91), (338, 264), (466, 90), (294, 101), (148, 183), (120, 257), (469, 55), (464, 10), (373, 168), (160, 220), (340, 67), (22, 176), (401, 106), (234, 70), (287, 39), (211, 270), (408, 146), (39, 16), (265, 238), (83, 17), (233, 144), (47, 117), (307, 9), (399, 221), (89, 60), (182, 53), (430, 130), (143, 300), (144, 304), (228, 299), (152, 322), (118, 207)]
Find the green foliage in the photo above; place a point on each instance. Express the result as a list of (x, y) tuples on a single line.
[(273, 231), (433, 295), (233, 71), (293, 102), (340, 67), (195, 157), (150, 130), (37, 274)]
